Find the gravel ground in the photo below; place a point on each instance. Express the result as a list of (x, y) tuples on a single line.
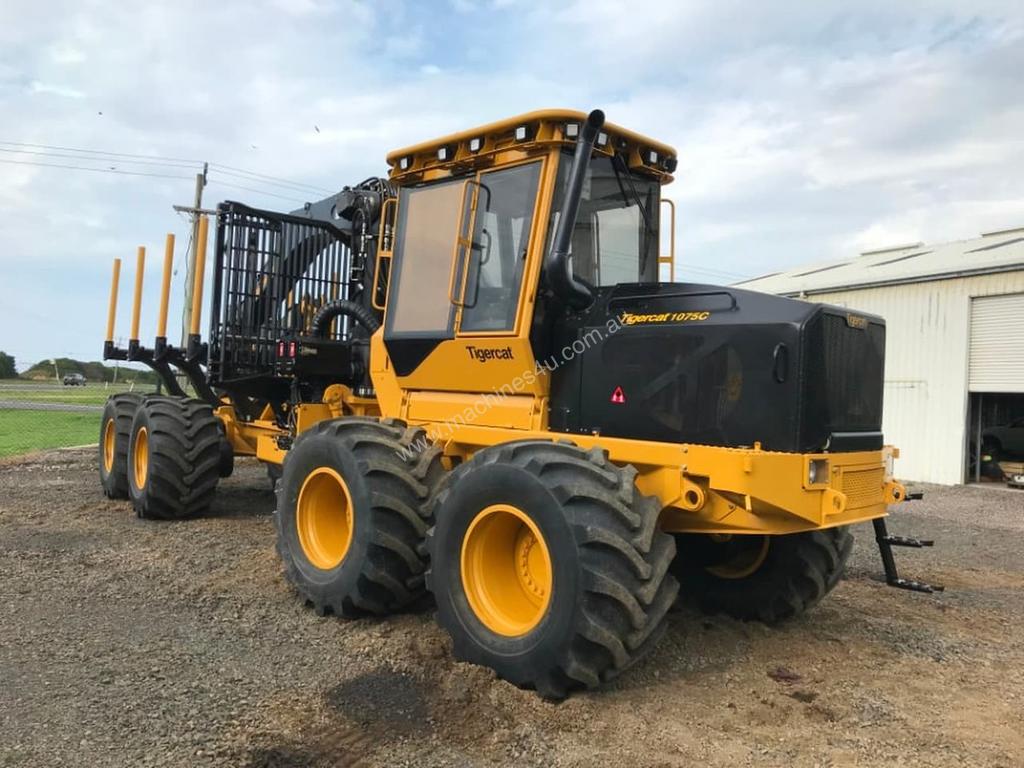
[(128, 642)]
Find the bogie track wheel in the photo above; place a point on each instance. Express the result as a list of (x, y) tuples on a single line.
[(174, 457), (115, 434), (761, 578), (548, 566), (352, 512)]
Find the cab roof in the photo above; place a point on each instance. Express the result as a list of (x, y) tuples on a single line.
[(526, 132)]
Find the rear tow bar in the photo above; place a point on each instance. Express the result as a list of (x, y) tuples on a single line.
[(886, 542)]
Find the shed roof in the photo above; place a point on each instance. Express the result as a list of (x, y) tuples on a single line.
[(1000, 251)]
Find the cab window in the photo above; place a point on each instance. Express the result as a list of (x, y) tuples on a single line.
[(427, 220), (615, 239), (501, 237)]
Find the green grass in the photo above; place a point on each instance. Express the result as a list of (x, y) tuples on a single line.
[(25, 431)]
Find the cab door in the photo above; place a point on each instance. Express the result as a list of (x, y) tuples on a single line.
[(460, 258), (502, 214), (420, 314)]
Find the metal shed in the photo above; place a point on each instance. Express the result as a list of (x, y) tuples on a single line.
[(955, 340)]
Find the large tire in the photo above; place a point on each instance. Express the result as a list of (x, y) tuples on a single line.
[(115, 433), (573, 613), (174, 457), (762, 578), (353, 546)]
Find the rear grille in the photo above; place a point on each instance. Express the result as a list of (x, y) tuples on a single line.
[(863, 487), (844, 369)]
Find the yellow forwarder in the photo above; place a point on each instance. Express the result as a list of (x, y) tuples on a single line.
[(472, 379)]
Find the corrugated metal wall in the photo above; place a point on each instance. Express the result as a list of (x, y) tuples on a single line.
[(927, 348)]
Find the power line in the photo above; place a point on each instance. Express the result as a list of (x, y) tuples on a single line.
[(98, 170), (155, 158), (253, 189), (226, 168), (151, 175), (99, 159), (714, 272), (98, 152), (718, 272)]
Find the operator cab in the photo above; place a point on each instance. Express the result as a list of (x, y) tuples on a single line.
[(475, 219)]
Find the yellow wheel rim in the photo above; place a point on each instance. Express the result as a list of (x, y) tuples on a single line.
[(746, 561), (506, 570), (140, 458), (324, 518), (109, 436)]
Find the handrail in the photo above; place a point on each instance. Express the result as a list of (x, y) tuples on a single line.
[(670, 260), (383, 239), (462, 242)]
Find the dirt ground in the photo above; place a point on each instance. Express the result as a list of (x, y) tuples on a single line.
[(129, 642)]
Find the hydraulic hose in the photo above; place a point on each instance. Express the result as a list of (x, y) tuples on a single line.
[(361, 314)]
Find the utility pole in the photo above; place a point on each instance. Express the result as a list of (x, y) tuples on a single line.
[(196, 211)]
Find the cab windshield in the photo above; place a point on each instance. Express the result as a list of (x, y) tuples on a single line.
[(616, 235)]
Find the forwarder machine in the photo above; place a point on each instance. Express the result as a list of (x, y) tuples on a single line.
[(471, 379)]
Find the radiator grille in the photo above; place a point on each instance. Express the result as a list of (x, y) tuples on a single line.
[(844, 365), (863, 487)]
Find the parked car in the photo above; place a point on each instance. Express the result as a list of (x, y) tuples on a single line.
[(74, 380), (1005, 441)]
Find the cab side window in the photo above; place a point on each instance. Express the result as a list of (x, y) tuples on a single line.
[(427, 221), (501, 237)]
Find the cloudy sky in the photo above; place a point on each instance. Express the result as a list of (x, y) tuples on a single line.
[(805, 130)]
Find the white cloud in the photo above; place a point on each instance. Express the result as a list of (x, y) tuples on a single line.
[(56, 90), (66, 54), (804, 130)]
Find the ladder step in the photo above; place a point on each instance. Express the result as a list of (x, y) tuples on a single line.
[(916, 586), (909, 541)]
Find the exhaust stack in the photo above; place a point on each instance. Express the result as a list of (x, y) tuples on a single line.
[(557, 267)]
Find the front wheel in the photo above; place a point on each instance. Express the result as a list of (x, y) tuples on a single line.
[(352, 511), (548, 567), (762, 578)]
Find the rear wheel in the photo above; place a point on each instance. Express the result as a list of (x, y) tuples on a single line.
[(548, 567), (352, 511), (115, 433), (174, 457), (763, 578)]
